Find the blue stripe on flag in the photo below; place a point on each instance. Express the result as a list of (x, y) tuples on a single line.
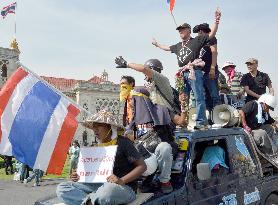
[(31, 122)]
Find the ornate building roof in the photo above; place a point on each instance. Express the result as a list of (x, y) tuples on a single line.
[(65, 84)]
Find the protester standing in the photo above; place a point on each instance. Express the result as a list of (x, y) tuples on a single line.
[(74, 155), (255, 82), (187, 51), (209, 55)]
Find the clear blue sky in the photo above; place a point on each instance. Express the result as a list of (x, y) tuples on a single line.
[(77, 39)]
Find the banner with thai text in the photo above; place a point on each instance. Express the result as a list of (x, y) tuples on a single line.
[(95, 164)]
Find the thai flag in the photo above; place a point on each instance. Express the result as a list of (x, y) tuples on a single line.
[(37, 124), (10, 9), (172, 4)]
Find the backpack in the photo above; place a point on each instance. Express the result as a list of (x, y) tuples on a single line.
[(176, 103)]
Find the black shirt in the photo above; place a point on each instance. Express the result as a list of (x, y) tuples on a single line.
[(257, 84), (126, 155), (206, 55), (189, 51), (251, 111)]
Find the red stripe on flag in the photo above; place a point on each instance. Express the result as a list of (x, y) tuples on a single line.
[(172, 4), (59, 155), (8, 89)]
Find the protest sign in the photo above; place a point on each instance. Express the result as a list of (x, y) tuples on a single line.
[(95, 164)]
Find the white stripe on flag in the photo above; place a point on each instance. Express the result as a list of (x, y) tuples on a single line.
[(22, 89), (51, 134)]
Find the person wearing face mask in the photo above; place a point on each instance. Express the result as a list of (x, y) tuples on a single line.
[(121, 186), (236, 91), (159, 86), (127, 85), (257, 121)]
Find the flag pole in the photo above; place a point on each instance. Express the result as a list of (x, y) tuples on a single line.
[(15, 22), (174, 19)]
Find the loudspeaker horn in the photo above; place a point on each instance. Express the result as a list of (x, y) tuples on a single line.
[(225, 115)]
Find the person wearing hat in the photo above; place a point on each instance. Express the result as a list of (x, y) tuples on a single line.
[(121, 186), (257, 120), (159, 86), (236, 91), (187, 51), (156, 119), (209, 55), (255, 82)]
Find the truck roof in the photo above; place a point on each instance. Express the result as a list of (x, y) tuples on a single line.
[(214, 132)]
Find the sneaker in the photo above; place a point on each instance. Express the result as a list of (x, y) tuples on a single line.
[(166, 188), (25, 181), (35, 185), (200, 127)]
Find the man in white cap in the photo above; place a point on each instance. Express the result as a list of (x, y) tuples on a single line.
[(257, 120), (234, 78), (255, 82), (236, 91)]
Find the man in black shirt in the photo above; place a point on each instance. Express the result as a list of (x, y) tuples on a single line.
[(255, 82), (257, 120), (209, 55), (187, 51)]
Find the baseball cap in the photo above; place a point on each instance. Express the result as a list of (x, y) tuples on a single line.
[(252, 60), (185, 25), (228, 63)]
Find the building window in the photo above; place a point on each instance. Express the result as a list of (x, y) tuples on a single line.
[(112, 105), (4, 68)]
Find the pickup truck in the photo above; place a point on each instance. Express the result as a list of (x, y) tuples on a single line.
[(252, 177)]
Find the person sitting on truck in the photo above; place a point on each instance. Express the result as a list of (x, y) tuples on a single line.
[(214, 155), (156, 119), (257, 120), (121, 186)]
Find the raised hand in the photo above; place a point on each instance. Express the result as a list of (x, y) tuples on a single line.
[(121, 63), (154, 42), (217, 15)]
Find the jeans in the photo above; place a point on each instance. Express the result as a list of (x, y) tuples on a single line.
[(164, 157), (76, 193), (37, 174), (197, 85), (265, 139), (24, 172), (212, 93)]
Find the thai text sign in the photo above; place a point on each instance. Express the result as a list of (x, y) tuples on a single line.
[(95, 164)]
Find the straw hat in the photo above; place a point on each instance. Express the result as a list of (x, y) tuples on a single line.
[(103, 116)]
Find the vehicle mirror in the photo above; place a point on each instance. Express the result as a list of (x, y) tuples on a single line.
[(203, 171)]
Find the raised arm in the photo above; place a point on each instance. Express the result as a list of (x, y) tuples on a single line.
[(216, 23), (163, 47), (122, 63)]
